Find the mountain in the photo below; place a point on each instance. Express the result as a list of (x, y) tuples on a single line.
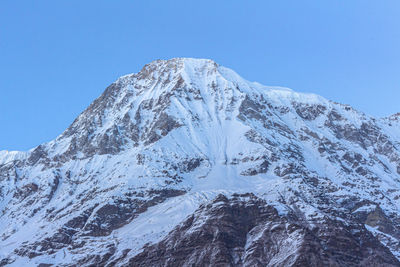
[(185, 163)]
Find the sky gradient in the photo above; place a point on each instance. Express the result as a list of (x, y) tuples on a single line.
[(56, 57)]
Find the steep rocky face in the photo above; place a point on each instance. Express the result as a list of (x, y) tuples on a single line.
[(159, 143), (245, 231)]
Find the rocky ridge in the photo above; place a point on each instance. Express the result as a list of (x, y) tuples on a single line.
[(138, 177)]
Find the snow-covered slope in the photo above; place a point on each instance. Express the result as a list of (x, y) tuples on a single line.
[(159, 143)]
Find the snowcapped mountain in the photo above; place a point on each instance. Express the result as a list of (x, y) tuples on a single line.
[(185, 163)]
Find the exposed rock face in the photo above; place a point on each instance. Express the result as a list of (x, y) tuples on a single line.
[(245, 231), (97, 221), (133, 180)]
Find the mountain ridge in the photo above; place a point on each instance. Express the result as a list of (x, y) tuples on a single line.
[(175, 136), (9, 153)]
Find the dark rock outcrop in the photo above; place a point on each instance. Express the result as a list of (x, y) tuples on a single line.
[(246, 231)]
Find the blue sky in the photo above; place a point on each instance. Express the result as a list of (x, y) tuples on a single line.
[(56, 57)]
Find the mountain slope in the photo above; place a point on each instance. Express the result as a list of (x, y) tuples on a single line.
[(158, 144), (244, 231)]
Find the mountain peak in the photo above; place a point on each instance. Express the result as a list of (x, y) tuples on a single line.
[(159, 143), (183, 62), (192, 72), (141, 108), (176, 65)]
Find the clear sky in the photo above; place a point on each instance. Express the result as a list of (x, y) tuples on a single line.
[(56, 57)]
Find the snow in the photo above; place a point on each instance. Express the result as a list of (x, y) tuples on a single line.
[(9, 156), (207, 104)]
